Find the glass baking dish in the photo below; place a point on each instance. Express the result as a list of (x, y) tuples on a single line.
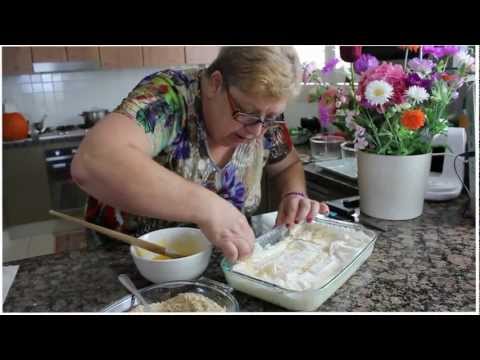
[(306, 300)]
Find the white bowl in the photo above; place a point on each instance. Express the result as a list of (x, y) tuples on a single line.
[(185, 268)]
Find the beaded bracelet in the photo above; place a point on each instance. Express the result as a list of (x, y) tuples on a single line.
[(294, 193)]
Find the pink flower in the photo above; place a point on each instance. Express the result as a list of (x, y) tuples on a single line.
[(327, 106), (330, 93), (393, 74)]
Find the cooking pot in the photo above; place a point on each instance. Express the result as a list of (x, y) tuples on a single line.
[(92, 116)]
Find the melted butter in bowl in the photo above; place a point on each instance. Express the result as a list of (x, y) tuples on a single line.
[(160, 268), (184, 246)]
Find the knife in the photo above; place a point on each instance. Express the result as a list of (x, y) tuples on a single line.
[(356, 220)]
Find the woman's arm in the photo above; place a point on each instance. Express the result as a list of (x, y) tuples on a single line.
[(289, 177), (114, 165), (288, 174)]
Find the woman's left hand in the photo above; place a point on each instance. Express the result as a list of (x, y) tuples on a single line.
[(296, 208)]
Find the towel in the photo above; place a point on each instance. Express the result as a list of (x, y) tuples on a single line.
[(9, 273)]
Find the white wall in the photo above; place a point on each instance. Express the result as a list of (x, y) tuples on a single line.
[(63, 96), (300, 107)]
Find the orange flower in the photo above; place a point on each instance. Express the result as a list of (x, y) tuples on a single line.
[(448, 77), (413, 119), (412, 48)]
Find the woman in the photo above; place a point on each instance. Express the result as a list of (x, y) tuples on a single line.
[(190, 147)]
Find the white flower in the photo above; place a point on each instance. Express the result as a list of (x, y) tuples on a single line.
[(378, 92), (417, 93), (350, 124), (402, 107), (463, 58)]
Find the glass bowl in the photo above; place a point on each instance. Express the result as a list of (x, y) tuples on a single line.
[(214, 290), (326, 147), (348, 150)]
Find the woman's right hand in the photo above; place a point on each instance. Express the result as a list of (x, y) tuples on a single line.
[(228, 229)]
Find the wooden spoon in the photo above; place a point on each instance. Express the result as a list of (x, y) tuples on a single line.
[(120, 236)]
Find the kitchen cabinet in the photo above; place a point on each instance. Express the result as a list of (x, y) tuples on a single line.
[(25, 186), (83, 53), (201, 54), (49, 54), (121, 57), (30, 190), (17, 60), (163, 55)]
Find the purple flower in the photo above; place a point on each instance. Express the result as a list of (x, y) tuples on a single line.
[(421, 66), (450, 50), (365, 104), (360, 142), (329, 66), (232, 190), (181, 146), (432, 50), (324, 114), (364, 63), (415, 79), (440, 51)]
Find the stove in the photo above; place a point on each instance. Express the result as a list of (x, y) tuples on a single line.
[(64, 131)]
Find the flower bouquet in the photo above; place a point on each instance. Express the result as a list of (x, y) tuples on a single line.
[(392, 113), (395, 109), (399, 108)]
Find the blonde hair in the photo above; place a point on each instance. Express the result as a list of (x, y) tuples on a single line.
[(267, 71)]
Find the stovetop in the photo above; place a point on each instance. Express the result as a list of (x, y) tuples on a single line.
[(63, 131)]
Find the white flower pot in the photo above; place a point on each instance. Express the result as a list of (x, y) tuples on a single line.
[(392, 187)]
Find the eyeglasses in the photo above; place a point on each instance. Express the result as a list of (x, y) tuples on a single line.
[(252, 119)]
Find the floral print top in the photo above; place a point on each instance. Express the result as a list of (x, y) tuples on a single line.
[(167, 105)]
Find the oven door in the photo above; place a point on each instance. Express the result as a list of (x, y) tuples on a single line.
[(65, 195)]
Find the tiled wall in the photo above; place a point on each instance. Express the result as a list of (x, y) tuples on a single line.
[(63, 96)]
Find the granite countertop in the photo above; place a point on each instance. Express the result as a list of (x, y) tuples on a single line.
[(425, 264)]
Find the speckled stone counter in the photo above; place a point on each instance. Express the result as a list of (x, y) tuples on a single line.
[(425, 264)]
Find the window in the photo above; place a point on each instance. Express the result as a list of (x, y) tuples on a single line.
[(320, 54)]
